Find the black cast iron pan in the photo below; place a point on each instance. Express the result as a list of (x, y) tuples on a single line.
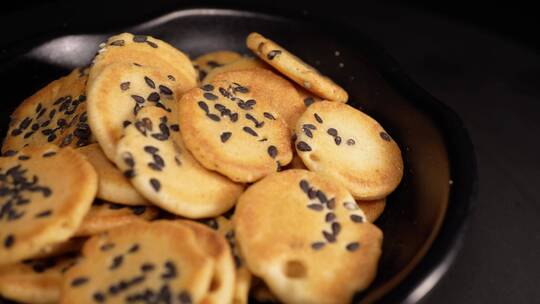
[(425, 218)]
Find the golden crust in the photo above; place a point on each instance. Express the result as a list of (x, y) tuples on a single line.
[(372, 209), (294, 68)]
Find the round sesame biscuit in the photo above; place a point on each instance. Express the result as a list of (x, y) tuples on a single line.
[(146, 51), (158, 262), (304, 235), (113, 186), (244, 63), (105, 216), (152, 154), (118, 93), (339, 141), (209, 61), (55, 114), (35, 281), (45, 193), (372, 209), (229, 131), (271, 88), (242, 283), (214, 244), (294, 68)]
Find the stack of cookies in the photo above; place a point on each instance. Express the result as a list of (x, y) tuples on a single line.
[(146, 177)]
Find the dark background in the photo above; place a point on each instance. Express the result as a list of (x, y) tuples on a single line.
[(480, 58)]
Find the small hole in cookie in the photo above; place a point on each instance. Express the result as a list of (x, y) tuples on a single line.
[(215, 284), (295, 270), (314, 157)]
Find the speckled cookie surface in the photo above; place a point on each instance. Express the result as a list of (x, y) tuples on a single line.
[(153, 156), (304, 235), (372, 209), (118, 93), (294, 68), (147, 51), (205, 63), (339, 141), (224, 226), (140, 263), (113, 185), (46, 191), (106, 216), (271, 88), (231, 132), (36, 281), (55, 114), (244, 63), (224, 277)]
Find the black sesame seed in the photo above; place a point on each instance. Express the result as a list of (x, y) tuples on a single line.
[(318, 118), (134, 248), (139, 38), (137, 98), (337, 140), (385, 136), (357, 218), (175, 127), (184, 297), (158, 160), (336, 228), (312, 193), (128, 159), (138, 210), (330, 238), (99, 297), (153, 97), (308, 132), (116, 262), (146, 267), (269, 116), (130, 173), (149, 82), (207, 87), (272, 54), (303, 146), (331, 204), (213, 117), (165, 90), (170, 271), (24, 157), (213, 64), (304, 185), (152, 44), (45, 213), (35, 127), (350, 142), (210, 96), (156, 185), (49, 154), (203, 106), (240, 89), (124, 86), (321, 196), (28, 134), (308, 101), (272, 151), (126, 123), (316, 207), (317, 245), (79, 281), (25, 123), (106, 247), (233, 117), (225, 136), (9, 153), (9, 241), (16, 132), (352, 246), (151, 149), (171, 77), (250, 131), (330, 217), (119, 42), (332, 132)]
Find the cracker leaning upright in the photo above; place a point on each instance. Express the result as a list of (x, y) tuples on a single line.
[(46, 191), (339, 141), (294, 68), (229, 131), (304, 235), (140, 262)]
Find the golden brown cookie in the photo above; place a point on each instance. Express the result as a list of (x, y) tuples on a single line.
[(141, 262), (304, 235), (45, 193), (118, 93), (153, 156), (230, 131), (146, 51), (209, 61), (294, 68), (274, 90), (372, 209), (105, 216), (113, 185), (55, 114), (339, 141), (35, 281), (244, 63), (224, 277)]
